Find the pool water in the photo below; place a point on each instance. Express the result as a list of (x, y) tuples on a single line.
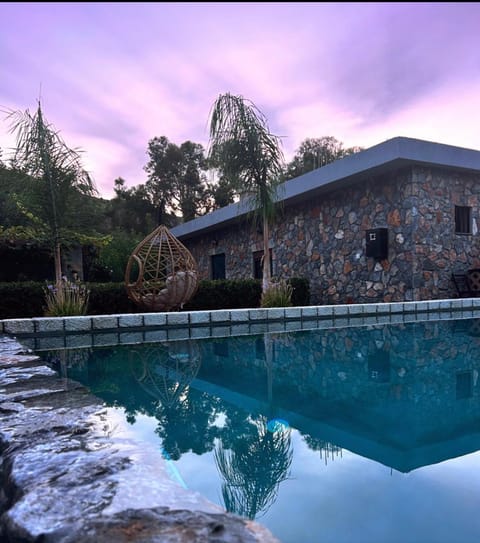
[(368, 434)]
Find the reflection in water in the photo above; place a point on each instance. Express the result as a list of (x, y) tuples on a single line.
[(328, 451), (254, 468), (405, 396), (166, 370)]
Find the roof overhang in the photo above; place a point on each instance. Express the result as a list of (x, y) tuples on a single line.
[(382, 158)]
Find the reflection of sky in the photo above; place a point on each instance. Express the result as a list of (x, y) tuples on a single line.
[(353, 499)]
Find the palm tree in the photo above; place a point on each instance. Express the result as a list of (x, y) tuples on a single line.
[(41, 153), (253, 469), (243, 148)]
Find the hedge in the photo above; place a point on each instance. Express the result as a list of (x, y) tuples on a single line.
[(24, 300)]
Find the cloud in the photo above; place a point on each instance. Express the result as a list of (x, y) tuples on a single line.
[(115, 75)]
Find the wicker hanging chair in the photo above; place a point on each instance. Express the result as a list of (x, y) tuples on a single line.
[(165, 371), (167, 272)]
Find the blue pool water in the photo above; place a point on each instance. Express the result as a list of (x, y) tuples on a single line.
[(349, 435)]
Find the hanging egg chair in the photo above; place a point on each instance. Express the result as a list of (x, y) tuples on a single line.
[(165, 371), (167, 272)]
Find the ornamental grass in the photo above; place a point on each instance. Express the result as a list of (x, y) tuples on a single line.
[(67, 299)]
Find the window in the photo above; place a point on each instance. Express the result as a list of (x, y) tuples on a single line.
[(258, 264), (464, 385), (379, 366), (221, 349), (260, 349), (463, 220), (218, 266)]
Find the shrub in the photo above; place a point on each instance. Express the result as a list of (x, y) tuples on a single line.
[(21, 300), (110, 298), (277, 295), (301, 291), (66, 300), (225, 294), (25, 300)]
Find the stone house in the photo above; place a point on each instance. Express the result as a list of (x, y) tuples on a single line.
[(391, 223)]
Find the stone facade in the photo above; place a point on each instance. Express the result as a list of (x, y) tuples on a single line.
[(323, 238)]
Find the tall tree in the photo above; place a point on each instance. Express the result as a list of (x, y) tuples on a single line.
[(175, 181), (317, 152), (162, 170), (62, 182), (220, 193), (249, 155), (131, 209), (191, 187)]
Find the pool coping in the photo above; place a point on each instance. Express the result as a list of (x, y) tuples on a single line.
[(135, 321), (44, 333)]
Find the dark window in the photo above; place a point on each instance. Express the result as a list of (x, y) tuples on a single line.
[(218, 266), (260, 349), (463, 220), (464, 385), (258, 264), (379, 366), (221, 349)]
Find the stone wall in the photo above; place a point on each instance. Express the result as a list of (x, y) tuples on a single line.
[(323, 239)]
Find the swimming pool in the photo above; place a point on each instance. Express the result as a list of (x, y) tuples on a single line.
[(354, 434)]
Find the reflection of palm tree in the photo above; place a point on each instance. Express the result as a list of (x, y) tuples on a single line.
[(253, 469), (166, 370)]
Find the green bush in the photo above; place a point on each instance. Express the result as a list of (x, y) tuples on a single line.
[(24, 300), (241, 293), (109, 299), (66, 300), (225, 294), (301, 291), (21, 300)]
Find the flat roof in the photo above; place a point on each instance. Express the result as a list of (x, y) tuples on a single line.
[(386, 156)]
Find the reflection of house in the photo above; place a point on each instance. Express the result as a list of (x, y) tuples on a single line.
[(390, 223), (404, 396)]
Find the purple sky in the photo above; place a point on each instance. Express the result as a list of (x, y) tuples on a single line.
[(114, 75)]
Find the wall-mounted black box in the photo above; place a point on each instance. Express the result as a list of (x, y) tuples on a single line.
[(377, 243)]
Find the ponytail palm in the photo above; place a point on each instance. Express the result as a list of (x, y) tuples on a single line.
[(243, 148)]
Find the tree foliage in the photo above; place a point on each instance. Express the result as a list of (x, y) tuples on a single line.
[(317, 152), (48, 200), (176, 179), (131, 209)]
